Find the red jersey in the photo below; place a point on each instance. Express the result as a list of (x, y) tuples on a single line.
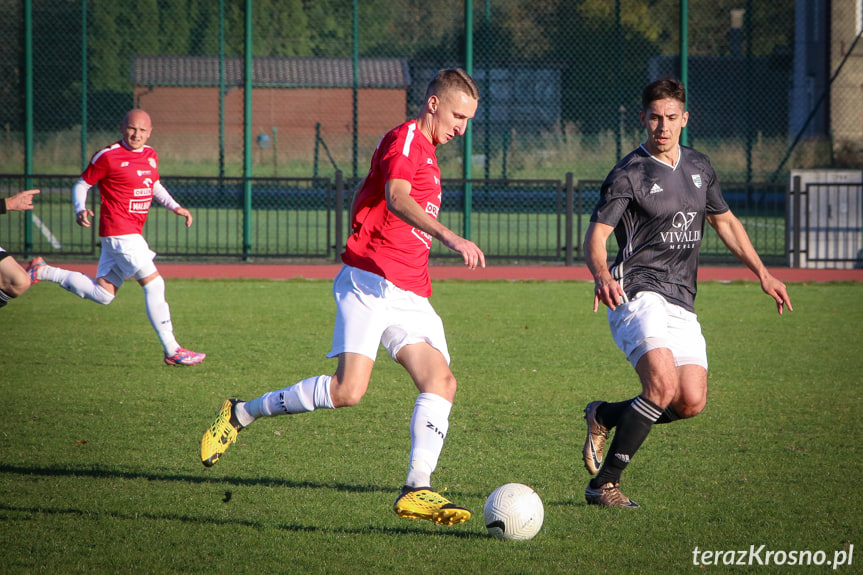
[(125, 179), (381, 242)]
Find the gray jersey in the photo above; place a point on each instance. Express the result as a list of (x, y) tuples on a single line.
[(658, 214)]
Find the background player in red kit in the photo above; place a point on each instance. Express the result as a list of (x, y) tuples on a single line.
[(382, 295), (127, 173)]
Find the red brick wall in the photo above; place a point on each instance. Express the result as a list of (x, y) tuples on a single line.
[(185, 119)]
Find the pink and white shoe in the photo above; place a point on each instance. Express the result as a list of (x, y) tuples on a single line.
[(185, 357), (36, 264)]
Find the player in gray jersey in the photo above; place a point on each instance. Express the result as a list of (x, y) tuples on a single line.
[(656, 201)]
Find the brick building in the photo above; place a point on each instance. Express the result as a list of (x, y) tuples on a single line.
[(290, 97)]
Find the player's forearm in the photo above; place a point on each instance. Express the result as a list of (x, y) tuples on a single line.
[(596, 254), (411, 213), (402, 204), (163, 197), (734, 236)]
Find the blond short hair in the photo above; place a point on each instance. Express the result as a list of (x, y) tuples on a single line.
[(452, 79)]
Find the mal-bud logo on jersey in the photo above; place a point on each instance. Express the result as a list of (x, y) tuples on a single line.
[(680, 236)]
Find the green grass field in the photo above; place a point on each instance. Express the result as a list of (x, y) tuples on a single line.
[(99, 466)]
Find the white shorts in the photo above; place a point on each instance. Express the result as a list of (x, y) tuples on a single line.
[(125, 257), (371, 311), (648, 321)]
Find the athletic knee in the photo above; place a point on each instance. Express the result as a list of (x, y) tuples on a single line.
[(15, 280), (445, 386), (347, 392), (687, 409), (102, 296), (450, 386), (16, 289)]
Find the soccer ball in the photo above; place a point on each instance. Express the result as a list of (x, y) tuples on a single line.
[(513, 511)]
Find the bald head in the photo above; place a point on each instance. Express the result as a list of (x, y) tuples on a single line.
[(136, 128)]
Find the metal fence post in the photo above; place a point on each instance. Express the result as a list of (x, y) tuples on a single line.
[(28, 119), (570, 203), (795, 216), (247, 135), (338, 213), (467, 168)]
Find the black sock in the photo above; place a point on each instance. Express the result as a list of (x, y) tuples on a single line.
[(669, 415), (632, 429), (608, 414)]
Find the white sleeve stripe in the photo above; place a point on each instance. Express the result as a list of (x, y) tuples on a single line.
[(102, 151), (406, 151)]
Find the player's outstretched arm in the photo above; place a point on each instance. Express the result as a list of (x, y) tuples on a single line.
[(21, 201), (606, 289), (732, 233), (400, 202)]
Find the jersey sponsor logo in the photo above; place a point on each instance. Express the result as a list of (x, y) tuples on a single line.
[(144, 173), (696, 179), (139, 206), (656, 189), (124, 164), (681, 237), (683, 220), (142, 192), (425, 238), (432, 210)]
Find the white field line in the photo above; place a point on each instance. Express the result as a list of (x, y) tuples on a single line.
[(55, 243)]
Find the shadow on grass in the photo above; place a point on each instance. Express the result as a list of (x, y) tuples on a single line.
[(370, 530), (98, 472)]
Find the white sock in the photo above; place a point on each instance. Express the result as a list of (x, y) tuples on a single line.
[(429, 426), (77, 283), (307, 395), (160, 314)]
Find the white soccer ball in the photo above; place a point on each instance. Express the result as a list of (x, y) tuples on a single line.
[(513, 511)]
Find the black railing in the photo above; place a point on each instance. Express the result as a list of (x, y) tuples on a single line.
[(511, 220)]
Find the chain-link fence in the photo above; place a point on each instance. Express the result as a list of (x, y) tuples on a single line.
[(560, 82)]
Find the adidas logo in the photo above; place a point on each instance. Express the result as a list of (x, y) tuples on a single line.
[(656, 189)]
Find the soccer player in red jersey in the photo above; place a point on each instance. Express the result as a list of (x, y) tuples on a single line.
[(14, 280), (127, 173), (382, 295)]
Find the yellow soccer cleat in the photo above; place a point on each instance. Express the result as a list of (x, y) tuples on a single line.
[(423, 503), (221, 434)]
